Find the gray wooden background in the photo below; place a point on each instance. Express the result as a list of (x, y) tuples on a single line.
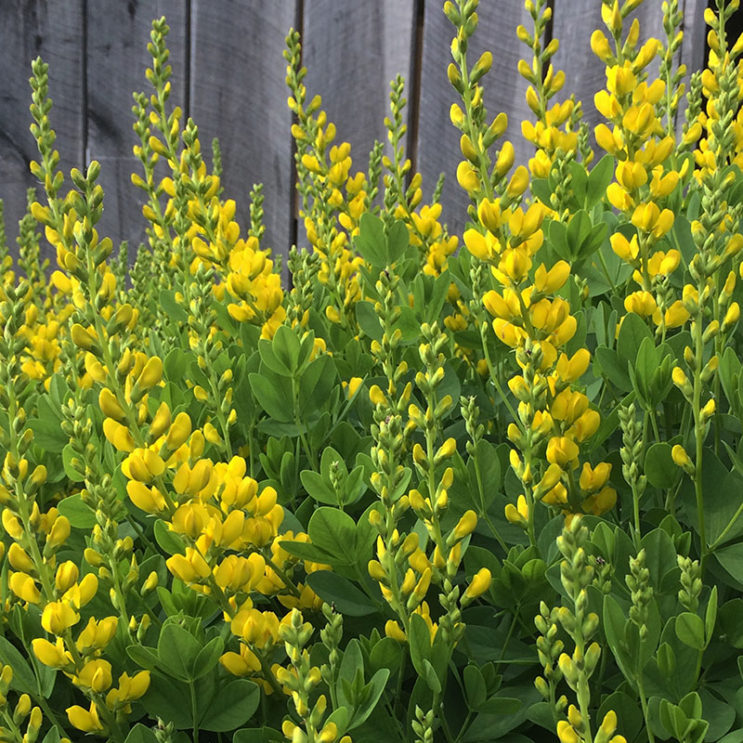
[(228, 74)]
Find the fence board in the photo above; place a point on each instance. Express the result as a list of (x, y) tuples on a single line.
[(504, 90), (52, 30), (693, 45), (238, 94), (117, 57), (352, 51)]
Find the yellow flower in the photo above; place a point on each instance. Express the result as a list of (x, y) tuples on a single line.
[(479, 584), (24, 586), (58, 616), (466, 524), (54, 656), (94, 675), (85, 720), (562, 450), (518, 514)]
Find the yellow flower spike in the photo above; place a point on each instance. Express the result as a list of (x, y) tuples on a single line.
[(490, 215), (85, 720), (328, 734), (58, 616), (24, 586), (680, 457), (731, 315), (52, 655)]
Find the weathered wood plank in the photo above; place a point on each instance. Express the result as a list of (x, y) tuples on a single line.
[(352, 51), (693, 45), (117, 57), (504, 90), (238, 94), (52, 30)]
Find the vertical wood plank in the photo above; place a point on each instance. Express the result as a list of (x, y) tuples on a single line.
[(117, 57), (352, 52), (52, 29), (693, 45), (238, 94), (504, 90)]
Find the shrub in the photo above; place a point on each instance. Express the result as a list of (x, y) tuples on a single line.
[(426, 493)]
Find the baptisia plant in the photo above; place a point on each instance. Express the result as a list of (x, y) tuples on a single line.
[(432, 491)]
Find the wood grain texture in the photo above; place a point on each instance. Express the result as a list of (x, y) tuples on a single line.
[(504, 90), (238, 94), (352, 51), (54, 31), (117, 57), (693, 45)]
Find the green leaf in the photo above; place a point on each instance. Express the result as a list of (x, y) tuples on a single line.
[(258, 735), (371, 241), (599, 179), (208, 657), (690, 630), (397, 241), (660, 468), (273, 395), (335, 589), (614, 368), (614, 628), (140, 734), (368, 320), (233, 705), (48, 433), (633, 331), (168, 540), (710, 615), (80, 514), (317, 487), (419, 640), (177, 650), (24, 680), (371, 694), (173, 310), (474, 686), (285, 346), (334, 532), (72, 471)]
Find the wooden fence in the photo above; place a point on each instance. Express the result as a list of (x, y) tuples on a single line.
[(228, 74)]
